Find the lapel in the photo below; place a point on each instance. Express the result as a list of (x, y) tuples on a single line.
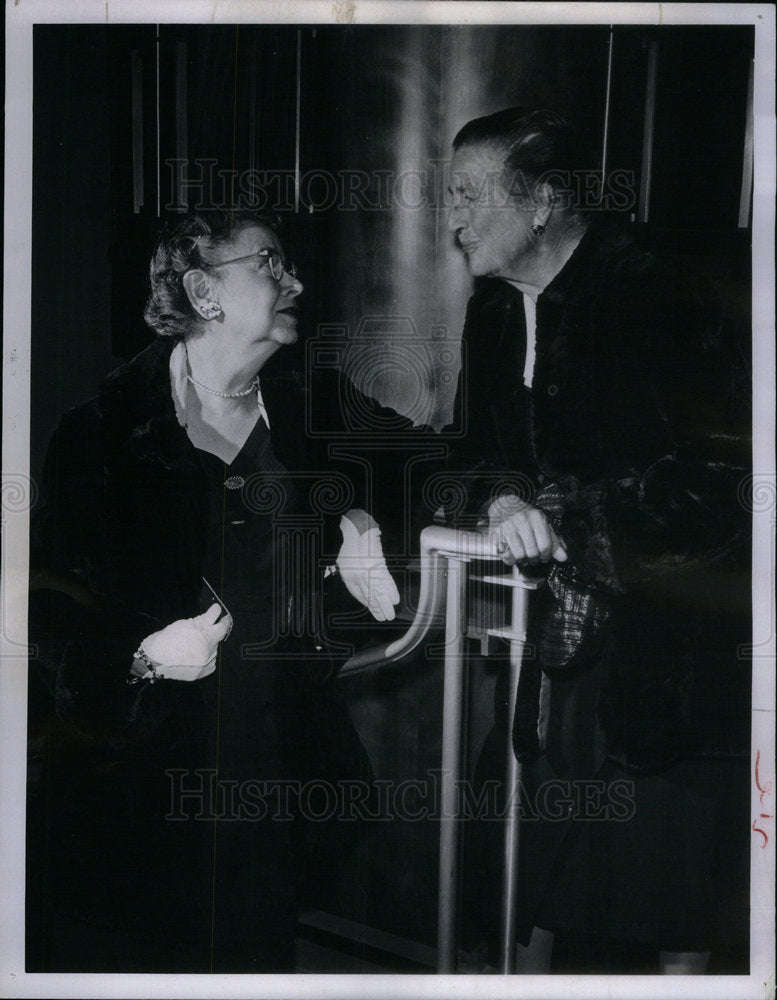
[(284, 394), (138, 415), (155, 486)]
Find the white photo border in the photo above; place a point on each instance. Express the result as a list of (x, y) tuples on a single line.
[(21, 16)]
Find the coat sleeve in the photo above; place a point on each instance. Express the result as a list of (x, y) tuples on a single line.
[(84, 638), (383, 441)]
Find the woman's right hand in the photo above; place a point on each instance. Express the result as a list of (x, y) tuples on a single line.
[(186, 649), (363, 567)]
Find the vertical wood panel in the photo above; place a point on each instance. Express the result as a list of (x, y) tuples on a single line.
[(71, 221), (181, 114), (746, 192), (137, 132), (648, 133)]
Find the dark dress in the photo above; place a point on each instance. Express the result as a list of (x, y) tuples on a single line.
[(249, 863), (158, 839)]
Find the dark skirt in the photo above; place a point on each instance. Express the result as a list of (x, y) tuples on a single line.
[(659, 860)]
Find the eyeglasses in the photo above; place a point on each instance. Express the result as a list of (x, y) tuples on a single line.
[(269, 256)]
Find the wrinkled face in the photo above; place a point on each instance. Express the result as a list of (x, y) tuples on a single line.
[(494, 233), (254, 303)]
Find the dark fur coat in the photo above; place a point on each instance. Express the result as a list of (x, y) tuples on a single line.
[(119, 537), (120, 534), (118, 549), (635, 440)]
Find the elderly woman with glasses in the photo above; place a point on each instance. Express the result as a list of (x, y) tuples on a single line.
[(171, 606)]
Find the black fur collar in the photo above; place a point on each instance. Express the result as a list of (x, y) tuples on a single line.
[(136, 408)]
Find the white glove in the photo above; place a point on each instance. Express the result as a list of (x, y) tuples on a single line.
[(364, 571), (186, 649)]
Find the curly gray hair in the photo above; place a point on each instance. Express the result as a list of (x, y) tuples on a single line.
[(186, 243)]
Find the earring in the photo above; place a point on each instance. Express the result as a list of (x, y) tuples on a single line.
[(538, 230), (209, 310)]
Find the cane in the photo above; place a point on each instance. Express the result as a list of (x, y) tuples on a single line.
[(445, 553)]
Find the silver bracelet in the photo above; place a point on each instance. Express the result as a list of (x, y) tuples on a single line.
[(152, 676)]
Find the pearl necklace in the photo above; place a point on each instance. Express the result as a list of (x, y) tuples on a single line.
[(225, 395)]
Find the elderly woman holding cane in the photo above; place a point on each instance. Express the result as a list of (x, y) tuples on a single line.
[(169, 611), (600, 385)]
